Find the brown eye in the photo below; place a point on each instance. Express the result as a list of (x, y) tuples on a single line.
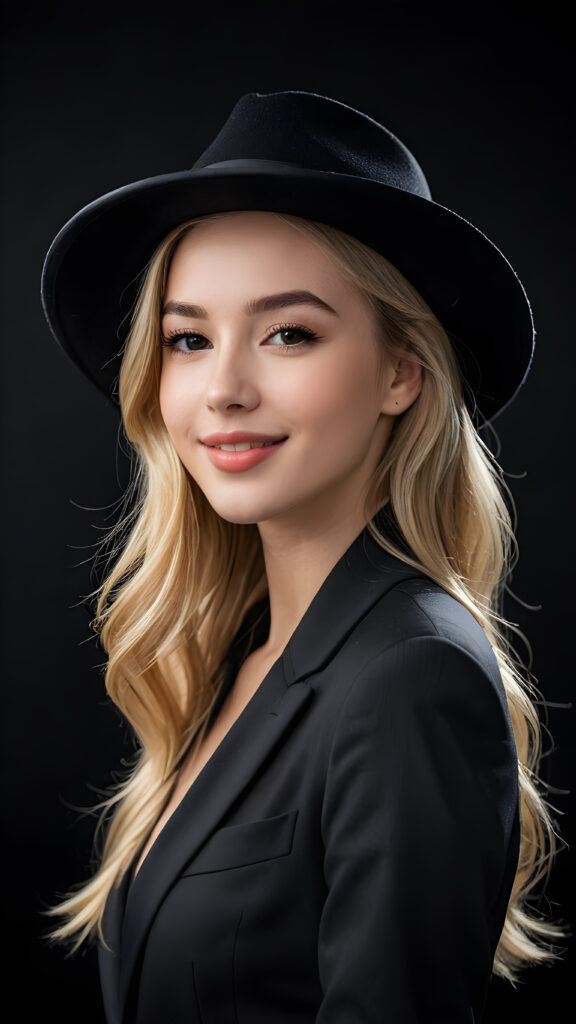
[(290, 337), (186, 342)]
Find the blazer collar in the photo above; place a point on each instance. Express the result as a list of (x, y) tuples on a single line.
[(358, 580)]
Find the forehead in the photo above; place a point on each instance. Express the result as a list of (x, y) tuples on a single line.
[(253, 249)]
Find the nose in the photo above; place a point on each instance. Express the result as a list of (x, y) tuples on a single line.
[(232, 385)]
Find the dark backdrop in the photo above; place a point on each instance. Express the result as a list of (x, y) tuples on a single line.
[(98, 95)]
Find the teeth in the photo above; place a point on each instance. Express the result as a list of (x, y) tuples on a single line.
[(244, 446)]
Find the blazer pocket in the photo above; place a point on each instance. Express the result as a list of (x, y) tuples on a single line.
[(239, 845)]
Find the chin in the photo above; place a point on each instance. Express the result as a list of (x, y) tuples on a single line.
[(236, 511), (238, 518), (247, 513)]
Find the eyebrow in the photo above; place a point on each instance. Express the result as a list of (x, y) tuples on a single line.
[(263, 305)]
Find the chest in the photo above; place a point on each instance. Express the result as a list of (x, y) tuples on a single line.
[(239, 694)]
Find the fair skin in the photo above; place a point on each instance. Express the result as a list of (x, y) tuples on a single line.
[(304, 374)]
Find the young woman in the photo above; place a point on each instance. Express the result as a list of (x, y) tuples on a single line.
[(334, 815)]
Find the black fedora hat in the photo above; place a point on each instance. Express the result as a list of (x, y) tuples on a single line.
[(303, 154)]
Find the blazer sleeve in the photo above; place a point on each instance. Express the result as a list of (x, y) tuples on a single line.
[(420, 831)]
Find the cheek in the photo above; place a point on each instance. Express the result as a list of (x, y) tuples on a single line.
[(344, 396), (168, 410), (177, 403)]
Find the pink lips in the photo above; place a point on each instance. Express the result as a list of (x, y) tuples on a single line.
[(239, 461)]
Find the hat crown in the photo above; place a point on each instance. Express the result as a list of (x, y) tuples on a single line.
[(314, 132)]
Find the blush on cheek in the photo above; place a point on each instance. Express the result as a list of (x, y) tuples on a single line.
[(174, 406)]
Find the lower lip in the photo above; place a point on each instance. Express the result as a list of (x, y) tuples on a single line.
[(239, 462)]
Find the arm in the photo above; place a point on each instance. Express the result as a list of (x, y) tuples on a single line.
[(419, 825)]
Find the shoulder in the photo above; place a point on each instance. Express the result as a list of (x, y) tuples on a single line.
[(426, 695), (420, 647), (418, 613)]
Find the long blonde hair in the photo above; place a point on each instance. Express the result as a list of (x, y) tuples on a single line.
[(183, 578)]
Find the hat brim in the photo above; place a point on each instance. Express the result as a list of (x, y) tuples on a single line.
[(93, 267)]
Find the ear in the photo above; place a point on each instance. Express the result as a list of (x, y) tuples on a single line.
[(402, 383)]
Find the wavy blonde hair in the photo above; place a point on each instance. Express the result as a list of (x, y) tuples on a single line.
[(183, 578)]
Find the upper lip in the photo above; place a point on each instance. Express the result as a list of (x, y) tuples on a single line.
[(238, 437)]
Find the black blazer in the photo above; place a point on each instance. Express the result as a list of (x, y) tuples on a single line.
[(346, 855)]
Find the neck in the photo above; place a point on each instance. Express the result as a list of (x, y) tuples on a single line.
[(299, 557)]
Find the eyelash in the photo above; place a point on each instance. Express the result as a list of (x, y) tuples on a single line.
[(169, 341)]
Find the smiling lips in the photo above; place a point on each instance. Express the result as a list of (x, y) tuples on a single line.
[(238, 451), (244, 446)]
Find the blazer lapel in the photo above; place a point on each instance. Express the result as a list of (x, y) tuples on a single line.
[(230, 769)]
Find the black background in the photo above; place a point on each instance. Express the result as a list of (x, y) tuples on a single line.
[(97, 96)]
